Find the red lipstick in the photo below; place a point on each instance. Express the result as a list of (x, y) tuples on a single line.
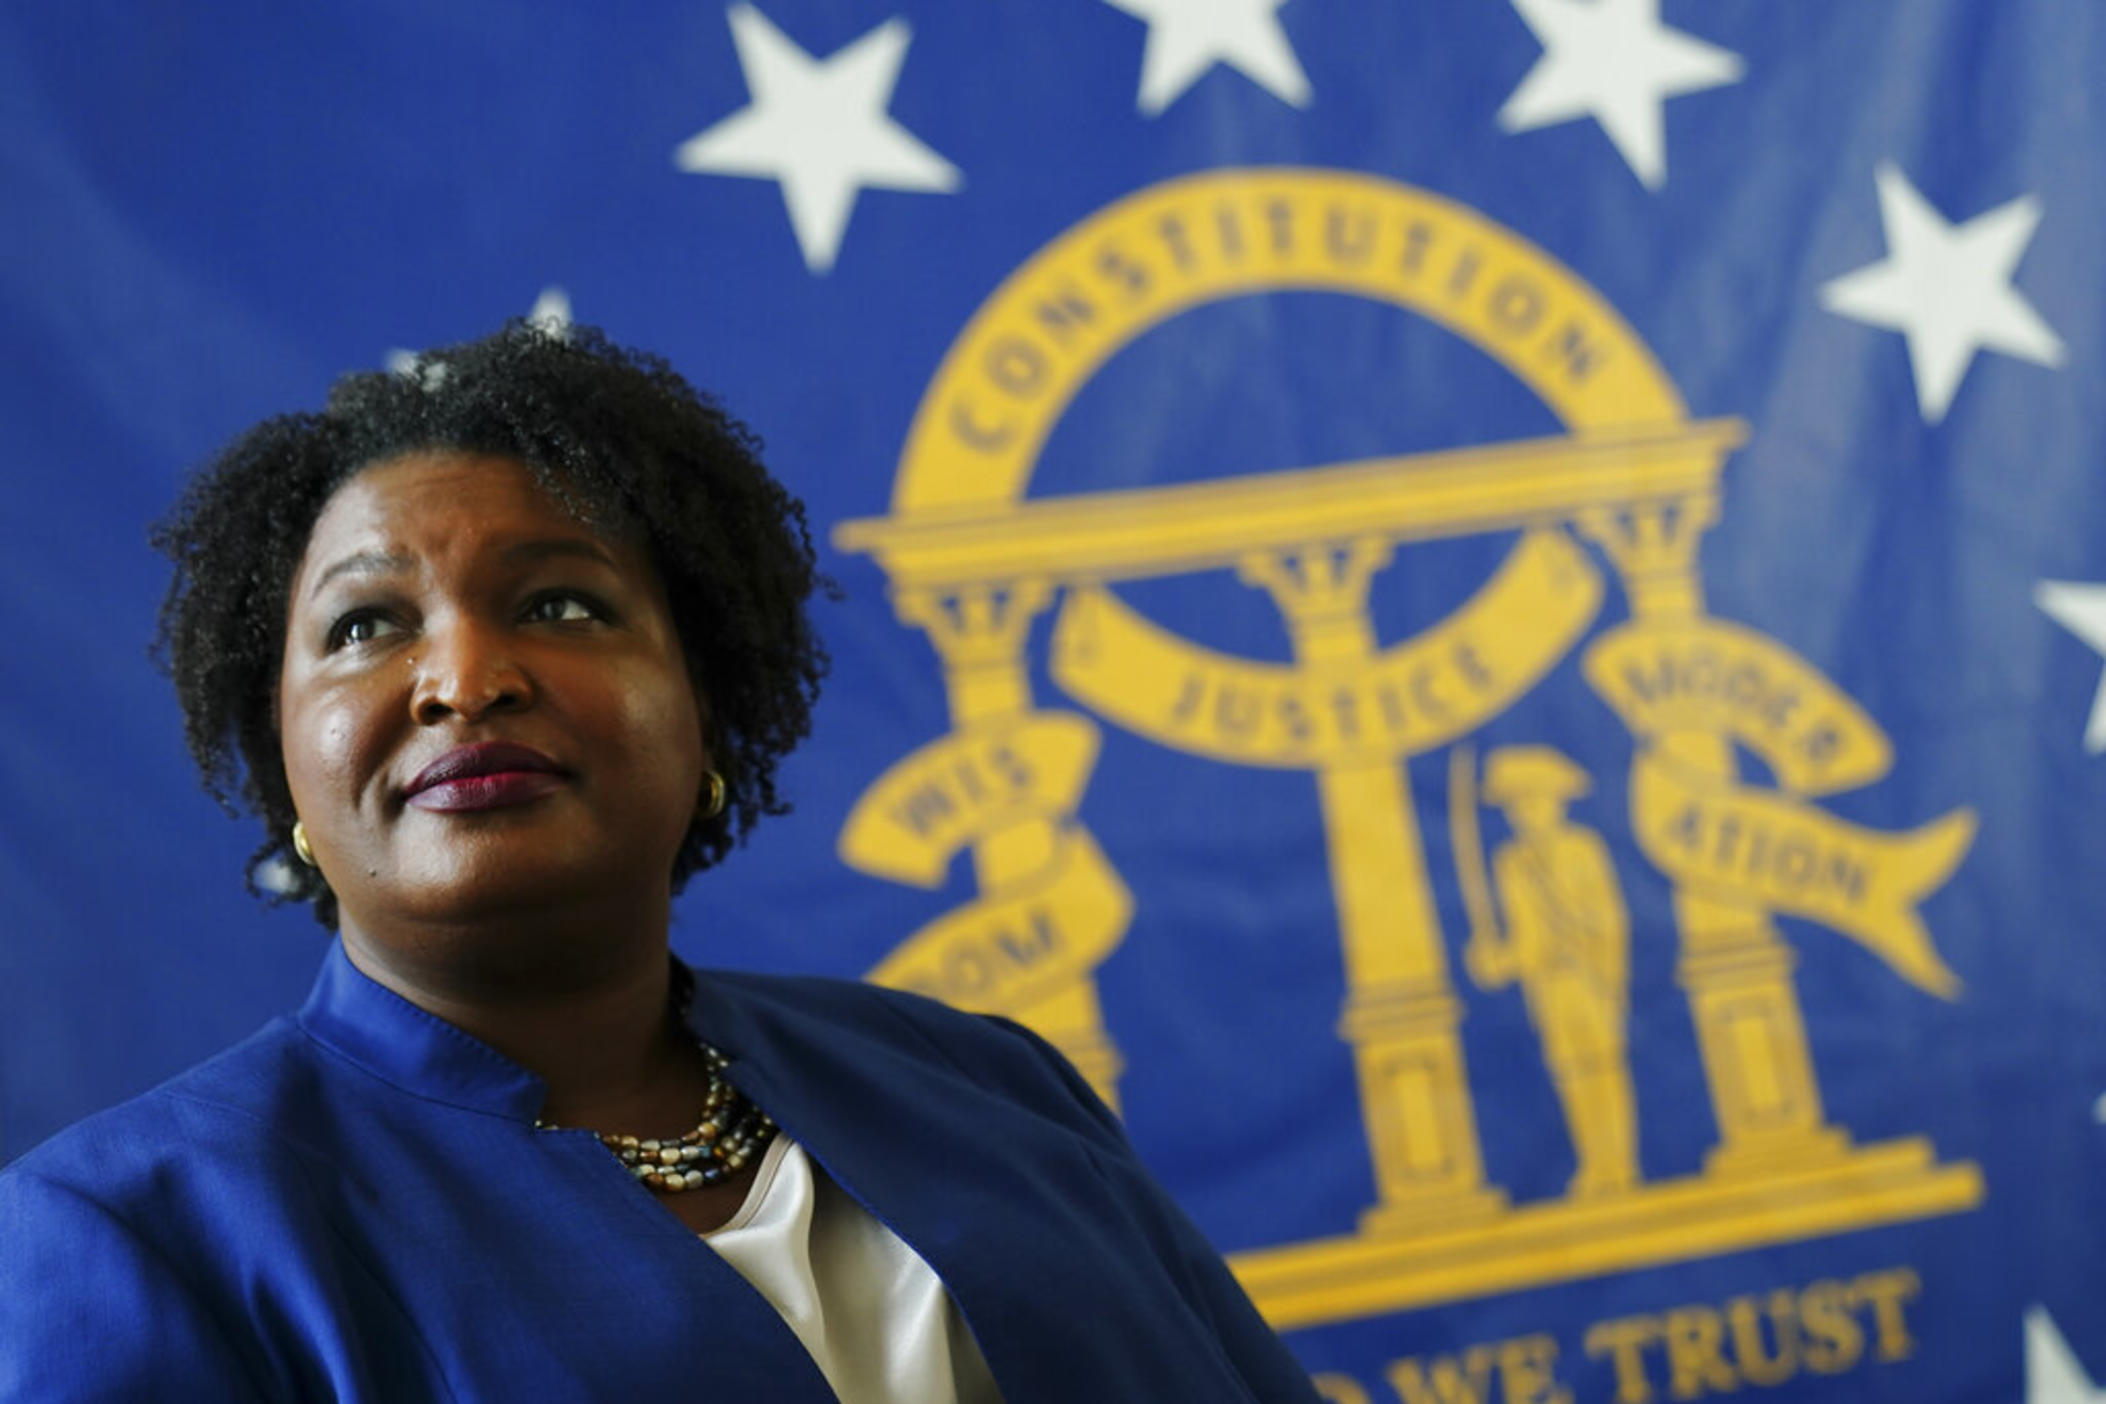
[(486, 775)]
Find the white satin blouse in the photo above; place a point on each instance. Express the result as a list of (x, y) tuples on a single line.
[(874, 1316)]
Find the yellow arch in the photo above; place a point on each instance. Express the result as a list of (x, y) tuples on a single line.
[(1046, 330)]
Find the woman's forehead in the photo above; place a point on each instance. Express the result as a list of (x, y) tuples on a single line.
[(447, 502)]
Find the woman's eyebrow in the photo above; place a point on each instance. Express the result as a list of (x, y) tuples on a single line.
[(523, 552), (360, 563), (541, 549)]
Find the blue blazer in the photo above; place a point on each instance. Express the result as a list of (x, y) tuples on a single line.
[(354, 1204)]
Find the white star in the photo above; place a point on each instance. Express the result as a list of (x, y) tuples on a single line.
[(550, 312), (820, 127), (2081, 609), (1947, 288), (1186, 38), (2053, 1375), (1614, 61)]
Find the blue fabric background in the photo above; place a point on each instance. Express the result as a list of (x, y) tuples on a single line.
[(208, 213)]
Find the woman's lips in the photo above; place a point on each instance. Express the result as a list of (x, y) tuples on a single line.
[(506, 787), (486, 775)]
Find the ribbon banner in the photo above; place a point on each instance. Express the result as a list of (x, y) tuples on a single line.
[(964, 787), (1403, 701), (1721, 839), (1788, 856), (1714, 676), (1018, 945), (1032, 936)]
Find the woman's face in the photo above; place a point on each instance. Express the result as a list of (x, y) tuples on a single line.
[(484, 705)]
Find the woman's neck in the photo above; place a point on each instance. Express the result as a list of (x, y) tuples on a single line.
[(585, 1005)]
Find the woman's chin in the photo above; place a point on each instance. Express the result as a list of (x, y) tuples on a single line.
[(513, 881)]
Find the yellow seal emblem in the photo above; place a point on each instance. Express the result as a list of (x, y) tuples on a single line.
[(1632, 484)]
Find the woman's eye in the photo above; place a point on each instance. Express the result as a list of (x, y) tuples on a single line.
[(562, 608), (360, 626)]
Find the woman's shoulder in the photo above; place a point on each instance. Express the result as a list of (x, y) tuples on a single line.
[(132, 1242), (214, 1117), (817, 1017), (829, 1006)]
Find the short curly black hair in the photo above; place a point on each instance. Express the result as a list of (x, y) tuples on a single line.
[(617, 437)]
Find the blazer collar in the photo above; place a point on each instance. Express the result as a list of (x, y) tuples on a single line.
[(364, 1021), (361, 1020)]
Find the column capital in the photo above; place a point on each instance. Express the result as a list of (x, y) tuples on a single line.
[(1320, 580), (1654, 546), (976, 625), (1321, 589)]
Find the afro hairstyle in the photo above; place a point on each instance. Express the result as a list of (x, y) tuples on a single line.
[(616, 437)]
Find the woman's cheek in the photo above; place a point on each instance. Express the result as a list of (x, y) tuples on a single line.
[(327, 754), (660, 714)]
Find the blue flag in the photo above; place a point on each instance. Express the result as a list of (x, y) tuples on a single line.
[(1493, 615)]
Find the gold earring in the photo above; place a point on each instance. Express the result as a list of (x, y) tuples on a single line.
[(299, 844), (714, 794)]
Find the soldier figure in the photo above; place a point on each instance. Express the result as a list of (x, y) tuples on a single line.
[(1567, 942)]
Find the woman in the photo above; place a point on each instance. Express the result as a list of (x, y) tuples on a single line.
[(501, 651)]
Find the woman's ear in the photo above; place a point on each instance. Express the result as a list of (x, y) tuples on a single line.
[(715, 747)]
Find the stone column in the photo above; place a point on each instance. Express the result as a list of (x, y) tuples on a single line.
[(1401, 1014), (980, 632), (1735, 967)]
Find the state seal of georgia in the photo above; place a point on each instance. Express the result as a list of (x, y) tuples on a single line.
[(1616, 504)]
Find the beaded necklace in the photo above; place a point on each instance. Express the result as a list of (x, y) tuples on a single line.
[(732, 1129), (731, 1132)]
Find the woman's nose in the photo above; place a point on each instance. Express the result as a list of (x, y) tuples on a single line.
[(468, 670)]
